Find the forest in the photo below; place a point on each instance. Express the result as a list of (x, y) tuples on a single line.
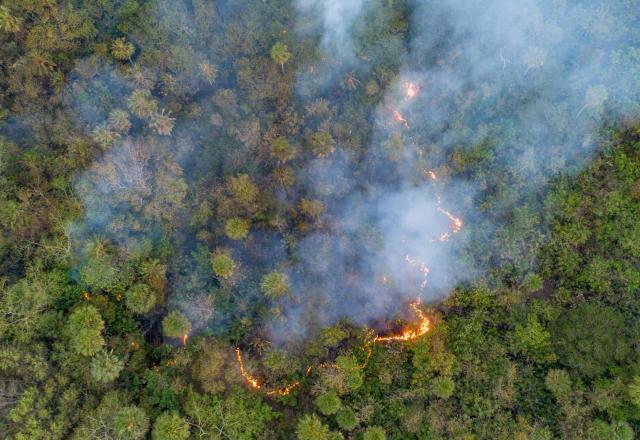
[(319, 219)]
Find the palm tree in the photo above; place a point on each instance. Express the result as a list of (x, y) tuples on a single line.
[(121, 49), (142, 104), (280, 54), (8, 23), (162, 123)]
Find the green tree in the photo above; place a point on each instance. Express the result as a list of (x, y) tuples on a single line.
[(282, 150), (328, 403), (85, 327), (374, 433), (8, 22), (142, 104), (275, 285), (130, 423), (170, 426), (237, 228), (176, 325), (322, 143), (280, 54), (346, 419), (121, 49), (222, 264), (591, 338), (238, 415), (140, 299), (243, 189), (105, 367), (311, 428)]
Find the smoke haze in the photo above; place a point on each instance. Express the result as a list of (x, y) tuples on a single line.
[(522, 85)]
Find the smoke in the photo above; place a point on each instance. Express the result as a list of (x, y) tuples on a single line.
[(518, 88), (477, 106)]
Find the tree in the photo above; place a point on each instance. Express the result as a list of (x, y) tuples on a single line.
[(243, 189), (346, 419), (176, 325), (208, 71), (140, 299), (162, 123), (594, 98), (280, 54), (119, 120), (121, 49), (322, 143), (238, 415), (311, 428), (591, 338), (142, 104), (328, 403), (9, 23), (85, 327), (170, 426), (105, 367), (374, 433), (222, 264), (281, 150), (237, 228), (275, 285), (130, 423)]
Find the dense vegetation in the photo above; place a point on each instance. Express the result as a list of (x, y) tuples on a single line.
[(174, 177)]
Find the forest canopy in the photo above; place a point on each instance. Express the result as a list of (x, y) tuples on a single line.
[(319, 220)]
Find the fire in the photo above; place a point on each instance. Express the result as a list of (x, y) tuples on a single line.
[(409, 334), (431, 174), (184, 339), (411, 89), (401, 119), (456, 222), (424, 324), (255, 383), (86, 296), (422, 266)]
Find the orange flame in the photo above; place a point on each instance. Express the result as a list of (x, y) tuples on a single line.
[(401, 119), (411, 89), (431, 174), (422, 266), (409, 334), (184, 339), (255, 383), (456, 222)]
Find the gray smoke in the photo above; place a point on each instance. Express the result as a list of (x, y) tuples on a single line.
[(517, 88), (521, 88)]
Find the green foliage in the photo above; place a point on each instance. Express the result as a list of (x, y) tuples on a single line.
[(240, 415), (374, 433), (346, 419), (310, 427), (105, 367), (281, 150), (237, 228), (130, 423), (275, 285), (140, 299), (170, 426), (280, 54), (176, 325), (84, 328), (322, 143), (121, 49), (591, 339), (328, 403), (222, 264)]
